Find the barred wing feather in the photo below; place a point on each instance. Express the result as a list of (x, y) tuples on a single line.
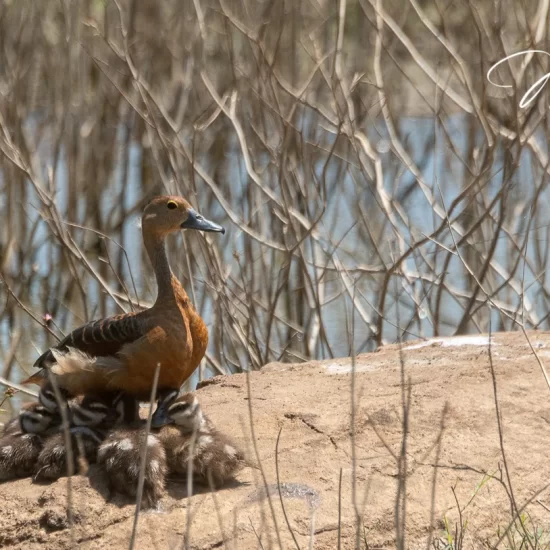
[(99, 338)]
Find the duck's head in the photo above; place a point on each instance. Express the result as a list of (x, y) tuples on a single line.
[(167, 214), (186, 412)]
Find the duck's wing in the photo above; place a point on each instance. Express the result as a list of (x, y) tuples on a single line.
[(98, 338)]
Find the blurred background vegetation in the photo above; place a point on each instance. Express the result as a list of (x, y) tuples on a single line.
[(374, 184)]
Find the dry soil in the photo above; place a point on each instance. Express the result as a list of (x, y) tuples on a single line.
[(452, 444)]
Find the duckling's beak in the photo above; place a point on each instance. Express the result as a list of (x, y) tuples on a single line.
[(196, 221), (160, 417)]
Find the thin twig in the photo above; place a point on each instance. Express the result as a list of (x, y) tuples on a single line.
[(143, 458), (279, 490)]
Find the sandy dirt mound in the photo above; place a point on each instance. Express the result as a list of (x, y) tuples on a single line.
[(453, 441)]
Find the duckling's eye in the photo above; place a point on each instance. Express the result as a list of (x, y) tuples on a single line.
[(171, 205), (178, 408)]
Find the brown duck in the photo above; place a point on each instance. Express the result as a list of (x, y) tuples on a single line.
[(122, 352)]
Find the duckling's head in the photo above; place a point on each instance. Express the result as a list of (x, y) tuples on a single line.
[(48, 398), (36, 419), (167, 214), (105, 410), (91, 410), (186, 412)]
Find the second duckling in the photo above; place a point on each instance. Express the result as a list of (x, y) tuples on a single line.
[(192, 440), (22, 441)]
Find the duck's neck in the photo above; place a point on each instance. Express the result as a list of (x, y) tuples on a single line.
[(156, 250)]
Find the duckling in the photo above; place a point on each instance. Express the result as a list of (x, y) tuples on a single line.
[(51, 463), (48, 399), (18, 454), (50, 414), (91, 416), (214, 458), (120, 457), (33, 418), (22, 441), (122, 352), (104, 410), (37, 419)]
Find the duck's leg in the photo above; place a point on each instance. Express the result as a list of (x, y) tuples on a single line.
[(123, 408), (165, 398)]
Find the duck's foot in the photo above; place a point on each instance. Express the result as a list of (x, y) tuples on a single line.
[(160, 417)]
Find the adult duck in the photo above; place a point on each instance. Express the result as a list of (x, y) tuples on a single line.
[(122, 352)]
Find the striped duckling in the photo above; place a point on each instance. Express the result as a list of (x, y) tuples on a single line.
[(25, 436), (192, 439), (120, 458), (22, 440), (189, 439), (91, 416)]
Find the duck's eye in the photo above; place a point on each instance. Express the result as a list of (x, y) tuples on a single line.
[(171, 205)]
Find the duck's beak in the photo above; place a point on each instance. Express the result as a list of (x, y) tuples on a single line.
[(196, 221)]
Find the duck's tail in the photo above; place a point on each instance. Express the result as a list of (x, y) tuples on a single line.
[(37, 378), (77, 372)]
